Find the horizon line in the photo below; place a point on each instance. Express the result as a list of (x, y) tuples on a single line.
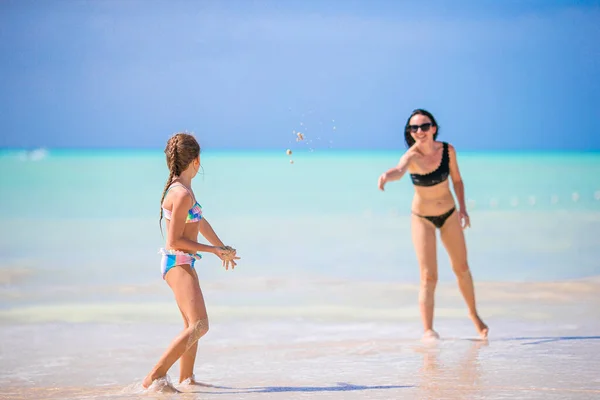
[(302, 150)]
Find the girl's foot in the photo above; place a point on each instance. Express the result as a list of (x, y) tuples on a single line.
[(191, 381), (160, 385)]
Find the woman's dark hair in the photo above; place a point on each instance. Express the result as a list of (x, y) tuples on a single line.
[(408, 139), (181, 150)]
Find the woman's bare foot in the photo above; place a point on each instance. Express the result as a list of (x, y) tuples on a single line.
[(430, 335), (481, 327)]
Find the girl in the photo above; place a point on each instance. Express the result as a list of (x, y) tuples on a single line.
[(184, 221)]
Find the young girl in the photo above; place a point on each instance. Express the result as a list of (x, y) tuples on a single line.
[(184, 221), (429, 164)]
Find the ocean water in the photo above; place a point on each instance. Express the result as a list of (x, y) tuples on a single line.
[(328, 277), (533, 216)]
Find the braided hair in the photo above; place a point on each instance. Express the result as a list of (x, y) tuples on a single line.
[(181, 150)]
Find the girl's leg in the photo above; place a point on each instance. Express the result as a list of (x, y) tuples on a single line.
[(191, 303), (187, 360)]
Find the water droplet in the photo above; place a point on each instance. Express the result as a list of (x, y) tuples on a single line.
[(532, 200), (575, 196), (514, 202), (493, 203), (554, 199), (597, 195)]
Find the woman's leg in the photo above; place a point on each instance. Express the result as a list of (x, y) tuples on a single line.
[(453, 239), (189, 298), (424, 241)]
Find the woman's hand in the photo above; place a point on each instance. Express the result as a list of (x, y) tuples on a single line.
[(382, 181), (465, 221)]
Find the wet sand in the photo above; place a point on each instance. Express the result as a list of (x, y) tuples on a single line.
[(543, 344)]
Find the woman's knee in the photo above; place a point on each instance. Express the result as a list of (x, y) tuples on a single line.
[(429, 276), (460, 268), (428, 284)]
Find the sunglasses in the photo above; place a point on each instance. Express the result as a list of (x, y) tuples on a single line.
[(424, 127)]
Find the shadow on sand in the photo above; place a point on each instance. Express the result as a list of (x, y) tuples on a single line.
[(467, 371), (340, 387), (547, 339)]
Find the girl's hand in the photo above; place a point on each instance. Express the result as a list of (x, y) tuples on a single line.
[(228, 255), (465, 221)]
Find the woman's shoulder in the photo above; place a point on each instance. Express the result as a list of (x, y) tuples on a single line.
[(409, 155), (411, 152), (445, 144)]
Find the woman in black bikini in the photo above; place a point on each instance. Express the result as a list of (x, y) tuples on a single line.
[(429, 164)]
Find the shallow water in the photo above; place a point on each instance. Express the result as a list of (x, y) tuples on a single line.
[(300, 359), (324, 301)]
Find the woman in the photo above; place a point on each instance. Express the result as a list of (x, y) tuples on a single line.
[(429, 164), (184, 221)]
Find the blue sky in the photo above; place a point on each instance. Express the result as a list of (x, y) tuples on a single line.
[(498, 75)]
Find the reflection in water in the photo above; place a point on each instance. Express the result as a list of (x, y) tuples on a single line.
[(450, 379)]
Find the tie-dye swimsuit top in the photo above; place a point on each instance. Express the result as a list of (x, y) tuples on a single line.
[(194, 213)]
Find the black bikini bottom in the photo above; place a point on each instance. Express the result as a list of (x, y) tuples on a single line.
[(438, 220)]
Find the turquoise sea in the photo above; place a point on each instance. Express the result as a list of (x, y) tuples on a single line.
[(326, 258), (534, 216)]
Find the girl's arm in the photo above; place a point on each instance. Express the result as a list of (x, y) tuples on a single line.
[(182, 202), (209, 234)]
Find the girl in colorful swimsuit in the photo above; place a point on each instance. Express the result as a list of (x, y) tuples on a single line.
[(429, 164), (184, 221)]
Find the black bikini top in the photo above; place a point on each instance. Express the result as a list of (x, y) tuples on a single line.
[(437, 176)]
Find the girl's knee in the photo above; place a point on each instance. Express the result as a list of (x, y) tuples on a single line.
[(200, 326), (196, 330)]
